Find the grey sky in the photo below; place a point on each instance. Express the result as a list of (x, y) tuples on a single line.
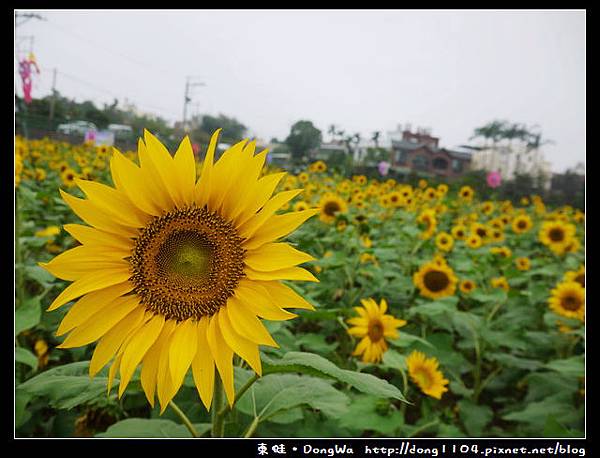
[(361, 70)]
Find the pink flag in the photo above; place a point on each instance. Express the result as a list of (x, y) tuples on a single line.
[(494, 179)]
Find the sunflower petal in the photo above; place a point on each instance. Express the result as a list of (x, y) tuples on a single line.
[(89, 283), (150, 362), (94, 216), (253, 224), (246, 324), (92, 236), (133, 182), (202, 190), (113, 203), (137, 347), (182, 350), (290, 273), (278, 226), (157, 164), (223, 356), (100, 323), (275, 256), (203, 365), (185, 170), (109, 344), (284, 296), (90, 304), (255, 200), (246, 349), (257, 298), (81, 260)]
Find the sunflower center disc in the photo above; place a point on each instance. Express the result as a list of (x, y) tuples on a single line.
[(436, 281), (570, 303), (580, 279), (375, 331), (331, 208), (556, 235), (424, 378), (521, 224), (187, 263)]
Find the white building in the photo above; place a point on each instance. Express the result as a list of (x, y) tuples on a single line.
[(510, 160)]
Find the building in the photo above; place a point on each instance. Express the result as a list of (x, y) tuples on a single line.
[(511, 160), (419, 152)]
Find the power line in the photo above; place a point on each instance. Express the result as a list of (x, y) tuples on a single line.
[(105, 49)]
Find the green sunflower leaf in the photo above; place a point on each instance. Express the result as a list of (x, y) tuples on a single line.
[(311, 364), (143, 427), (28, 315)]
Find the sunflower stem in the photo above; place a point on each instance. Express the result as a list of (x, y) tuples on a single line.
[(218, 415), (250, 431), (239, 394), (18, 254), (186, 421), (423, 428)]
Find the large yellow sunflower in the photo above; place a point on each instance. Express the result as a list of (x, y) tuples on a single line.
[(568, 300), (557, 236), (330, 206), (425, 373), (373, 326), (172, 273), (435, 280)]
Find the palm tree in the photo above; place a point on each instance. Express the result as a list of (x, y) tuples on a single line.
[(332, 131), (375, 138)]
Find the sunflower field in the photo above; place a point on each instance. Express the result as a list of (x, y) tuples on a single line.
[(160, 294)]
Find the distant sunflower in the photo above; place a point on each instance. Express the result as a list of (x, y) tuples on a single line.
[(474, 241), (68, 177), (330, 206), (395, 198), (303, 177), (318, 167), (435, 280), (521, 224), (487, 207), (557, 235), (301, 206), (523, 263), (426, 374), (568, 300), (444, 241), (481, 230), (500, 282), (373, 326), (466, 286), (503, 251), (576, 275), (428, 223), (466, 193), (459, 232), (174, 273)]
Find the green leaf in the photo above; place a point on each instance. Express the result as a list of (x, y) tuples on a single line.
[(316, 343), (474, 417), (493, 296), (24, 356), (536, 413), (363, 415), (553, 428), (406, 339), (394, 360), (311, 364), (38, 274), (28, 315), (444, 305), (143, 427), (574, 366), (67, 386), (509, 360), (21, 413), (274, 394)]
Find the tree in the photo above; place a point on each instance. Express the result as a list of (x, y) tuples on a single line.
[(375, 138), (303, 138), (332, 131), (233, 130)]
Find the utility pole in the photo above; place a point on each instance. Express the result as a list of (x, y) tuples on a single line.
[(189, 83)]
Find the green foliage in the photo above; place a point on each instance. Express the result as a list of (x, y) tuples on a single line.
[(303, 137)]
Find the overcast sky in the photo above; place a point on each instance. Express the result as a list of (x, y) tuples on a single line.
[(450, 71)]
